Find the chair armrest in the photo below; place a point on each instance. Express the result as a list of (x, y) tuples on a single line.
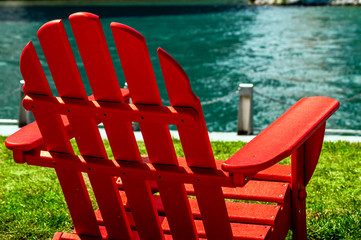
[(25, 139), (282, 137), (29, 137)]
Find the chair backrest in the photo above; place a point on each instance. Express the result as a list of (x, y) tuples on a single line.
[(107, 105)]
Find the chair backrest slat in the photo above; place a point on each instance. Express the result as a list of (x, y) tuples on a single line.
[(56, 48), (138, 71), (143, 209), (65, 73), (56, 140), (213, 211), (197, 149), (96, 57), (177, 209), (194, 137), (133, 54), (98, 65)]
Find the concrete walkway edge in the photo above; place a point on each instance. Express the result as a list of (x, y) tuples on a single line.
[(6, 130)]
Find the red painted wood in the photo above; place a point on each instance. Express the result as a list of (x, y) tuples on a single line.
[(298, 211), (78, 201), (241, 231), (194, 137), (299, 132), (62, 65), (94, 52), (238, 211), (213, 211), (265, 191), (25, 139), (133, 54), (75, 236), (197, 149), (108, 200), (277, 172), (109, 110), (143, 208), (35, 81), (177, 209), (261, 190), (56, 139), (29, 137), (146, 172), (312, 152), (32, 71), (98, 64), (293, 128), (283, 222), (103, 80)]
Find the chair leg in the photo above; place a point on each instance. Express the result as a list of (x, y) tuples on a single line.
[(298, 211), (299, 228)]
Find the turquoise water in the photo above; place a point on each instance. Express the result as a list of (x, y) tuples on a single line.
[(287, 53)]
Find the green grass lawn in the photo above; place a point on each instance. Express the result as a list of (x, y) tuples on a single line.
[(33, 207)]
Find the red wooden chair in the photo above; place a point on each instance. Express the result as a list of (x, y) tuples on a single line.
[(124, 188)]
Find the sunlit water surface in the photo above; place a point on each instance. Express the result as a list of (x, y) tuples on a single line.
[(287, 53)]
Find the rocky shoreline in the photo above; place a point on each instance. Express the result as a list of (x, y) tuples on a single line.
[(307, 2)]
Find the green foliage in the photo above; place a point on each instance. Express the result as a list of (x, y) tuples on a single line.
[(33, 207)]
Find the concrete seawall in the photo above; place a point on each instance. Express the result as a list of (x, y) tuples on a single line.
[(6, 130)]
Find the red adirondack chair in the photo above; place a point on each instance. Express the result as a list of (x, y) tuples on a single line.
[(124, 188)]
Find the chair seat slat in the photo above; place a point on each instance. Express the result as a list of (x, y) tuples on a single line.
[(254, 190), (241, 231), (241, 212)]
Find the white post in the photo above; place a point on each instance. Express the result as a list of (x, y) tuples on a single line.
[(245, 110)]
